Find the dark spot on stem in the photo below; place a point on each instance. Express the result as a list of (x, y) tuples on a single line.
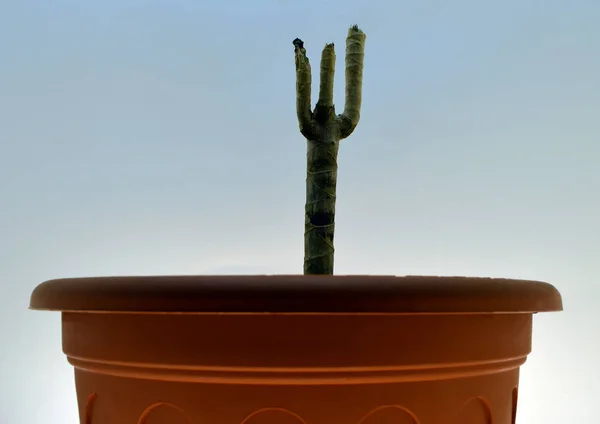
[(321, 218)]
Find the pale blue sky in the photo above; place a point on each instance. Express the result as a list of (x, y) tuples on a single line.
[(160, 137)]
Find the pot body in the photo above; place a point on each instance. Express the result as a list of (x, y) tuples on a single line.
[(292, 368)]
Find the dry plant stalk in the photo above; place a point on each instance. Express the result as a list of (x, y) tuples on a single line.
[(324, 130)]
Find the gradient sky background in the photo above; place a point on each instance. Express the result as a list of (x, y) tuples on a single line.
[(160, 137)]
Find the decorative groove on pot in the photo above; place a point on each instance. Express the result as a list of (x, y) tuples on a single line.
[(385, 414), (515, 399), (89, 407), (273, 416), (476, 410), (477, 400), (296, 376), (164, 405)]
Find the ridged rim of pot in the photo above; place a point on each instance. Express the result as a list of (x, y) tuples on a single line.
[(296, 294)]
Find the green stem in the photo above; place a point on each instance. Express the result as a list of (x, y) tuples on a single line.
[(319, 221), (355, 53)]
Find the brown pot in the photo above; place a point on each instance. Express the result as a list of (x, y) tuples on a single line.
[(296, 349)]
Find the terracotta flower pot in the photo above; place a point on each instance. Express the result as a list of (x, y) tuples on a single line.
[(296, 349)]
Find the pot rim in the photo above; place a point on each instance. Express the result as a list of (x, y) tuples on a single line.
[(296, 294)]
